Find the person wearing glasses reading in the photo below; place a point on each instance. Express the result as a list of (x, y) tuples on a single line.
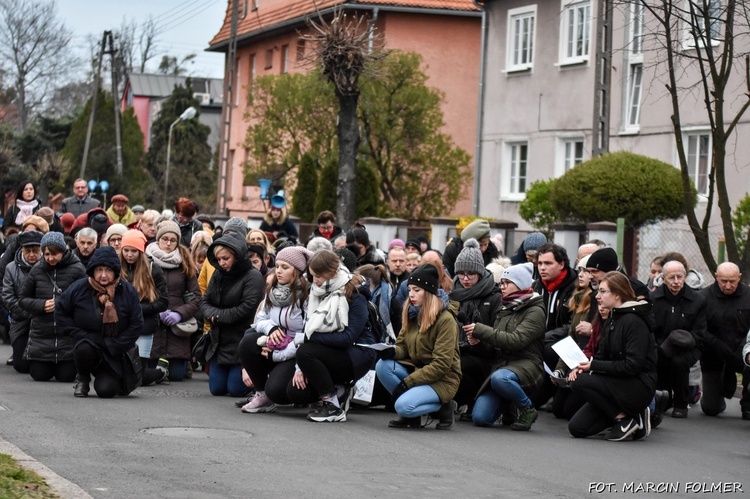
[(184, 297)]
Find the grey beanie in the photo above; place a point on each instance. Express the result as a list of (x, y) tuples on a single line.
[(533, 241), (520, 275), (55, 239), (236, 224), (478, 229), (470, 259)]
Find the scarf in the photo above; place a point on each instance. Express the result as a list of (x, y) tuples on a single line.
[(162, 258), (518, 298), (25, 210), (280, 295), (414, 310), (551, 286), (106, 297), (484, 287), (384, 292), (327, 306)]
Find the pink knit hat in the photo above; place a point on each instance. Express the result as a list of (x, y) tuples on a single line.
[(296, 256)]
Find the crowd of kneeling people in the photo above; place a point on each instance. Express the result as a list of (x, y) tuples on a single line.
[(464, 334)]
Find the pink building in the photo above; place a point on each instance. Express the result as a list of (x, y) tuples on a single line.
[(446, 33)]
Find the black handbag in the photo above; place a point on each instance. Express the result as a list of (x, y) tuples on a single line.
[(204, 349), (132, 370)]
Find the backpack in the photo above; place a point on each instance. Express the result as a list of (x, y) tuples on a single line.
[(375, 324)]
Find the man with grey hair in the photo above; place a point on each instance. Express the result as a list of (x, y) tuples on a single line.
[(86, 243), (680, 327), (728, 321)]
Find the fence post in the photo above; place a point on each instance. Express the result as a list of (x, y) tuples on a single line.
[(620, 236), (722, 250)]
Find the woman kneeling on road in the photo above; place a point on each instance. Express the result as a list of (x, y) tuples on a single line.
[(103, 316), (423, 371), (619, 383)]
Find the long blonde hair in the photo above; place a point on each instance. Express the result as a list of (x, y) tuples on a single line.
[(428, 313), (142, 280)]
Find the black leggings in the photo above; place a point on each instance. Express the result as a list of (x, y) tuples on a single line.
[(45, 371), (606, 397), (267, 375), (566, 403), (474, 371), (20, 364), (323, 366), (88, 362), (674, 375)]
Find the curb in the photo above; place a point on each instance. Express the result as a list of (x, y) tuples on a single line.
[(58, 485)]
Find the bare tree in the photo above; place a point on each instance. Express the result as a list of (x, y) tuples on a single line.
[(700, 49), (343, 48), (147, 42), (136, 44), (34, 49)]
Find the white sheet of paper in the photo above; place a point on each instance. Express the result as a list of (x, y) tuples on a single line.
[(548, 370), (569, 352), (376, 346)]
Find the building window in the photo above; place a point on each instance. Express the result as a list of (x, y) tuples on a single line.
[(285, 59), (237, 83), (633, 107), (633, 79), (698, 152), (519, 156), (269, 59), (699, 16), (521, 29), (251, 78), (576, 32), (300, 50), (636, 27), (573, 153)]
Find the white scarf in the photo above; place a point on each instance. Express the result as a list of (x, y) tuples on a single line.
[(25, 210), (163, 259), (327, 306)]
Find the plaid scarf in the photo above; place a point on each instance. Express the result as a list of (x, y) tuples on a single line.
[(518, 298)]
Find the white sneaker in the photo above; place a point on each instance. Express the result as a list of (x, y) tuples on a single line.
[(259, 403)]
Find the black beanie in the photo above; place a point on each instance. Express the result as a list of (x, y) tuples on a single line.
[(426, 277), (604, 259)]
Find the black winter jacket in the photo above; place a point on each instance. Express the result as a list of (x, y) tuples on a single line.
[(626, 346), (78, 314), (15, 275), (689, 314), (46, 343), (231, 300), (728, 321), (556, 303)]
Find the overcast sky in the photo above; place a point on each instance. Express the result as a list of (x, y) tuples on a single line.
[(185, 26)]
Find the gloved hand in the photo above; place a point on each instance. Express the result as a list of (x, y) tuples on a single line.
[(387, 354), (400, 390), (169, 318)]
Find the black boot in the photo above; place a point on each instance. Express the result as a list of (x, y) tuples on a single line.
[(406, 422), (82, 386), (445, 416)]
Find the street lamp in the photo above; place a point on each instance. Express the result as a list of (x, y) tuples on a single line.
[(188, 114)]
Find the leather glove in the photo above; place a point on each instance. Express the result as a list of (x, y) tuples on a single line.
[(387, 354), (400, 390), (169, 318)]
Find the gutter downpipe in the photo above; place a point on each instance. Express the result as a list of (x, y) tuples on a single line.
[(480, 110), (371, 35)]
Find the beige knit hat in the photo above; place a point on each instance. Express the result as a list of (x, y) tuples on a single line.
[(166, 227)]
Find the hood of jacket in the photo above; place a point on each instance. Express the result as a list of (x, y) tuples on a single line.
[(106, 256), (641, 308), (238, 246)]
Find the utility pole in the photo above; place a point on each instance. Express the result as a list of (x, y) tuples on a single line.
[(107, 39), (603, 71), (226, 114)]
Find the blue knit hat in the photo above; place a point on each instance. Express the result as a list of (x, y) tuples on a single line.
[(55, 239), (106, 256), (533, 241)]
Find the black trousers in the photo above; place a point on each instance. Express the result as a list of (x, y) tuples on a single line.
[(20, 364), (720, 384), (606, 397), (45, 371), (474, 371), (566, 403), (323, 366), (673, 375), (267, 375), (89, 362)]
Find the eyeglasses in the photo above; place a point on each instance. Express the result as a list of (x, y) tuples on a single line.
[(326, 227), (467, 276), (603, 291), (168, 240)]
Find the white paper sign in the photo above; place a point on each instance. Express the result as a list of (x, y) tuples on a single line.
[(364, 387), (569, 352)]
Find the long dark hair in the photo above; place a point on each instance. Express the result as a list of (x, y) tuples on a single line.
[(21, 187)]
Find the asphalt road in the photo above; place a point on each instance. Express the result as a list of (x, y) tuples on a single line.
[(200, 446)]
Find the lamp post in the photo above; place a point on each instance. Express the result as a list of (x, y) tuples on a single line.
[(187, 114)]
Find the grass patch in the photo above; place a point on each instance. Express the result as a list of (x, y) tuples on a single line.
[(18, 482)]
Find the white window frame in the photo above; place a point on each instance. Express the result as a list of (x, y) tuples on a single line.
[(511, 178), (688, 41), (284, 59), (572, 7), (689, 136), (633, 77), (633, 98), (514, 15)]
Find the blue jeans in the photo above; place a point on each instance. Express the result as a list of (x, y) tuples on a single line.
[(417, 400), (177, 369), (226, 379), (505, 389)]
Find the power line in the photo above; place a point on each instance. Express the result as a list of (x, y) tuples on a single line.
[(184, 16)]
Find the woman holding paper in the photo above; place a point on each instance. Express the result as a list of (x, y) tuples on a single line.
[(619, 383), (518, 341)]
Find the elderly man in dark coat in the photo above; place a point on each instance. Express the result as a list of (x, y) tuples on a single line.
[(102, 314)]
